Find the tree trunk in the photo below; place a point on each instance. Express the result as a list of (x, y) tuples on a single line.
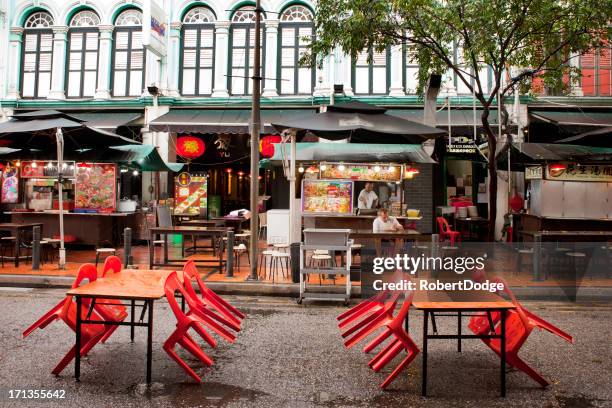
[(492, 172)]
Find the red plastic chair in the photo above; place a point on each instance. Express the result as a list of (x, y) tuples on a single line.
[(371, 323), (184, 323), (394, 326), (112, 264), (519, 324), (364, 308), (445, 231), (209, 297)]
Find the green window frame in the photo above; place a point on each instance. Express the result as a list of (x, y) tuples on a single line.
[(369, 62)]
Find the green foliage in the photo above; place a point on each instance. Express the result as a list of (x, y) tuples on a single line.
[(539, 36)]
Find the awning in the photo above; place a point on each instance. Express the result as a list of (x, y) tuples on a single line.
[(355, 152), (599, 137), (532, 153), (108, 120), (458, 117), (236, 121), (573, 118)]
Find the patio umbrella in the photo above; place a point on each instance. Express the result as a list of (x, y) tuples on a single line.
[(48, 130), (599, 137), (357, 122)]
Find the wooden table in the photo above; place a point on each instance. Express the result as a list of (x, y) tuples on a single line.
[(213, 232), (181, 218), (17, 229), (364, 235), (131, 285), (469, 223), (201, 223), (234, 222), (457, 303)]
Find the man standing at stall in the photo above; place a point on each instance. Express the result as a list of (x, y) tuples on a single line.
[(367, 197)]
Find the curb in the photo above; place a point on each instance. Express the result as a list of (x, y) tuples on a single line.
[(292, 289)]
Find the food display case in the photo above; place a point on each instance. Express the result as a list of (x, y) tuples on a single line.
[(327, 196), (41, 192), (95, 187), (190, 194)]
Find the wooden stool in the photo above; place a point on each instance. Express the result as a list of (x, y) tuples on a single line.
[(264, 256), (277, 260), (5, 243)]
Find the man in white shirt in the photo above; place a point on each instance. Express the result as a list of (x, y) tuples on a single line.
[(384, 223), (367, 197)]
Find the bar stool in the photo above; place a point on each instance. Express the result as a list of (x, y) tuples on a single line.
[(281, 247), (577, 262), (277, 261), (106, 251), (6, 243), (521, 254), (264, 257), (238, 251), (557, 261), (321, 260)]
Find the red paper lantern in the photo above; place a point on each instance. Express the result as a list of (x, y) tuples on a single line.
[(266, 145), (190, 147)]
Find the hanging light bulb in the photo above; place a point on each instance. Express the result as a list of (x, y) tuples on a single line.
[(323, 167), (64, 165), (301, 169), (34, 165), (135, 172), (17, 163), (391, 169), (49, 165), (123, 170), (341, 167), (377, 168)]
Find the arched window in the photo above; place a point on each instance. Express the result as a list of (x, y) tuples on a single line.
[(83, 41), (371, 73), (198, 55), (128, 54), (37, 55), (296, 30), (242, 51)]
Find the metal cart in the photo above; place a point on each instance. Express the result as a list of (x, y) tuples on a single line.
[(332, 240)]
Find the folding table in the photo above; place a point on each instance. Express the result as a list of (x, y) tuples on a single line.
[(130, 285), (18, 229), (457, 303)]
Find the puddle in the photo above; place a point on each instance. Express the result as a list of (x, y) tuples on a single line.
[(577, 401), (206, 394)]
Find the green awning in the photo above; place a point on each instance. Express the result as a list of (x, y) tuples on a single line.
[(144, 158), (107, 120), (232, 121), (572, 118), (355, 152), (532, 153)]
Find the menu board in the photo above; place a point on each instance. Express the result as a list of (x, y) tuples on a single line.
[(10, 185), (363, 172), (95, 187), (190, 193), (327, 196)]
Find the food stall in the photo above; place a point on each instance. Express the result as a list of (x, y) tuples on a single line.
[(89, 200)]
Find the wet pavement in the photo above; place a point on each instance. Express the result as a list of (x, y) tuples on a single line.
[(290, 355)]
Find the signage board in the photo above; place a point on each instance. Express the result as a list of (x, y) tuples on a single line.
[(154, 28), (579, 172)]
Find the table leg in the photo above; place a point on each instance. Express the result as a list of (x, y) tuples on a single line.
[(132, 313), (503, 353), (17, 246), (77, 343), (165, 249), (220, 254), (424, 374), (149, 341), (151, 251), (459, 331)]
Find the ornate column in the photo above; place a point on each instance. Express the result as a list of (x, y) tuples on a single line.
[(14, 55), (397, 86), (58, 72), (271, 32), (173, 59), (104, 62), (221, 54)]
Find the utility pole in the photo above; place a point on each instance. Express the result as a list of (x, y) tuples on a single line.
[(255, 127)]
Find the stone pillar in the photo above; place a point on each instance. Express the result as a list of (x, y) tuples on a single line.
[(58, 72), (104, 62), (173, 59), (221, 54), (271, 33), (397, 85), (347, 73), (14, 55)]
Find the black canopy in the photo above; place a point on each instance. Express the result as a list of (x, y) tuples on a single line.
[(36, 131), (360, 123), (599, 137)]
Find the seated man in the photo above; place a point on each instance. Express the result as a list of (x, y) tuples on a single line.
[(385, 223)]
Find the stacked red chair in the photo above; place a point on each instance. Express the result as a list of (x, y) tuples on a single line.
[(185, 322), (377, 313), (207, 311), (520, 322), (66, 311)]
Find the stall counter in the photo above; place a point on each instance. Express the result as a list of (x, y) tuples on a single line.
[(87, 228), (346, 221)]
